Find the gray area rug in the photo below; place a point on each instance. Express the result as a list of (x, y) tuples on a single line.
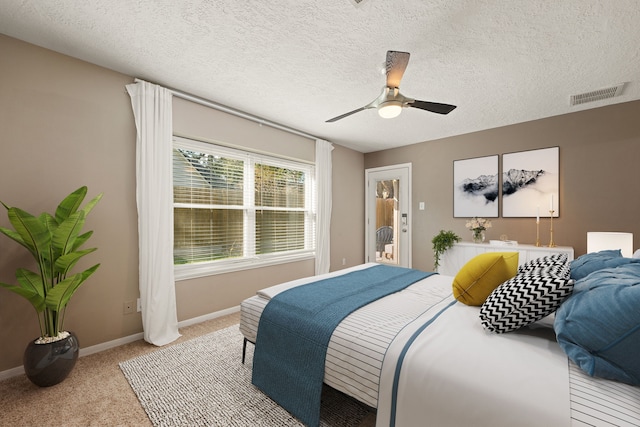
[(202, 382)]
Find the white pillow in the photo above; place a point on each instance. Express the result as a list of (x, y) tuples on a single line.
[(636, 254)]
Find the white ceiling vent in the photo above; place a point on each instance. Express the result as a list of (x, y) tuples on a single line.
[(596, 95)]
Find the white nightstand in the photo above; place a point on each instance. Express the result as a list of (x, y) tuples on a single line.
[(456, 257)]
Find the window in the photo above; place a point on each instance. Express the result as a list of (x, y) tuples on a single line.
[(236, 209)]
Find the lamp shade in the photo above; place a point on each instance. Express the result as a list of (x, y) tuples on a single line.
[(600, 241), (390, 109)]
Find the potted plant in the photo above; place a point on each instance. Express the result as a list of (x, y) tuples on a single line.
[(441, 242), (54, 241)]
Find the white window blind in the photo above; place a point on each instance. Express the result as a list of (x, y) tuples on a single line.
[(236, 209)]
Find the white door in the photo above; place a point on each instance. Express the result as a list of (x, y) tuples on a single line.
[(387, 222)]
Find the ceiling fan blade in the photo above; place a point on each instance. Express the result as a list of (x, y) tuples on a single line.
[(396, 64), (342, 116), (434, 107)]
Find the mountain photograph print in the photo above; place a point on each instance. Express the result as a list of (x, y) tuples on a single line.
[(530, 183), (475, 187)]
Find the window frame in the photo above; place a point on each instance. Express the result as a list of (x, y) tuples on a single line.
[(249, 259)]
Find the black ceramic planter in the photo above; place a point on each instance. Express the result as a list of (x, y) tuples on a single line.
[(49, 364)]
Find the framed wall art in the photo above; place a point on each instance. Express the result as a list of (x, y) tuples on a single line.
[(475, 187), (530, 183)]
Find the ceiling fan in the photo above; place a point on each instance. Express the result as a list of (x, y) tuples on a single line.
[(391, 102)]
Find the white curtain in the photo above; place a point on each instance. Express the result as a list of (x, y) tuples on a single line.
[(323, 220), (154, 197)]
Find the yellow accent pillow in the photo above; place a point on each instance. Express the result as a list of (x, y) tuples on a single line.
[(481, 275)]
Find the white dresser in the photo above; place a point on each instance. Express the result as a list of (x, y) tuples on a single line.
[(454, 258)]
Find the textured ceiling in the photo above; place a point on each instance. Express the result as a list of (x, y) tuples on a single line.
[(301, 62)]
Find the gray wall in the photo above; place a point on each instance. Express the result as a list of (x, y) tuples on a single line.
[(599, 154)]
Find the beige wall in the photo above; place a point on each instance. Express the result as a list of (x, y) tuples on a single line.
[(66, 123), (63, 124), (599, 154), (196, 121), (347, 213)]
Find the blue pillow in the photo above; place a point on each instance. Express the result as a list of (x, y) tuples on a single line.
[(588, 263), (598, 326)]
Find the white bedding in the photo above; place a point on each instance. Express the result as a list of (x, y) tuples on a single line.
[(272, 291), (456, 373), (475, 378), (358, 345)]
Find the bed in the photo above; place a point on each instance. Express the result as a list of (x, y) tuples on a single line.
[(421, 357)]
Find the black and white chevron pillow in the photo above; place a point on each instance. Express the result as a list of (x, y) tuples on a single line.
[(556, 265), (522, 300)]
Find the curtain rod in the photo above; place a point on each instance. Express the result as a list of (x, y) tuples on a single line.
[(235, 112)]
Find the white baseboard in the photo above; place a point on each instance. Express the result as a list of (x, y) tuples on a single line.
[(110, 344), (13, 372), (209, 316), (19, 370)]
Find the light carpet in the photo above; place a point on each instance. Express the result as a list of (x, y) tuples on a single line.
[(202, 382)]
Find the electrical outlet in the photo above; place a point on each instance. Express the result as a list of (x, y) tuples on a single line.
[(129, 307)]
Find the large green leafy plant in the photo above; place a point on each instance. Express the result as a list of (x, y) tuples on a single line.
[(54, 241)]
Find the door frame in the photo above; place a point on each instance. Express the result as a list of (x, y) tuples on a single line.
[(405, 192)]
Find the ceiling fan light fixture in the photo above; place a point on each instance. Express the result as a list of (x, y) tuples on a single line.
[(390, 102), (390, 109)]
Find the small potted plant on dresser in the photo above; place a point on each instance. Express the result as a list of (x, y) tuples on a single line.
[(441, 242), (54, 241)]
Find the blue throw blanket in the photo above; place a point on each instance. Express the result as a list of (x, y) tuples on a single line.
[(297, 324)]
